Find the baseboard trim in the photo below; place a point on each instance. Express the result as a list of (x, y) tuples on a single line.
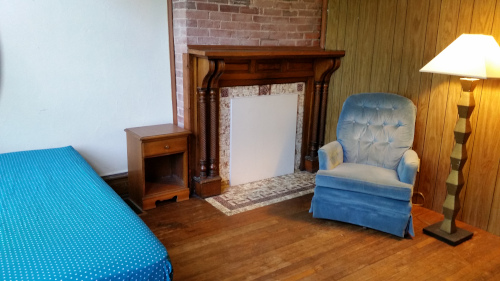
[(119, 183)]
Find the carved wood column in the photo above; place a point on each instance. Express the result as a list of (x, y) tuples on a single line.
[(207, 181), (214, 119), (313, 141), (323, 70), (202, 107), (324, 102), (206, 70)]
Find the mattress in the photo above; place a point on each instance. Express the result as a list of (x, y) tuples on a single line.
[(61, 221)]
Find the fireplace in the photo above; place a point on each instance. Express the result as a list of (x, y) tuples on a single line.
[(208, 68), (285, 137)]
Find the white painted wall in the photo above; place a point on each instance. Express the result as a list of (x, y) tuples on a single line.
[(78, 72)]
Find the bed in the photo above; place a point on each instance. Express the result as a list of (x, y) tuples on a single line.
[(61, 221)]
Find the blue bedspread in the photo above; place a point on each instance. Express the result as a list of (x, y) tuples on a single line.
[(61, 221)]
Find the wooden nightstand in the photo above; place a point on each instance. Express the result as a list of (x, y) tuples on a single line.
[(157, 164)]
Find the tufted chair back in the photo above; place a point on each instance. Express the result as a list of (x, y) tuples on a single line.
[(376, 129)]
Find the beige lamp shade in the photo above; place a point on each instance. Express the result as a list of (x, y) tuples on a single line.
[(470, 56)]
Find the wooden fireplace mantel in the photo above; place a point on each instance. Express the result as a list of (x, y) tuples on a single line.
[(208, 68)]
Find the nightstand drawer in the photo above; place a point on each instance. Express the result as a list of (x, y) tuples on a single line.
[(167, 146)]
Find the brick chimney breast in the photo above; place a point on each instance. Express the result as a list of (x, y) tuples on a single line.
[(242, 22)]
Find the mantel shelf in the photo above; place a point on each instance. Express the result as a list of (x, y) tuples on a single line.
[(222, 52)]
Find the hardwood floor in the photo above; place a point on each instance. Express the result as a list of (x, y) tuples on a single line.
[(283, 242)]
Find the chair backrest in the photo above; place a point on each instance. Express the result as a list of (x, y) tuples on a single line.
[(376, 129)]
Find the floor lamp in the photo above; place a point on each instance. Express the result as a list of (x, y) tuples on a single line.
[(472, 57)]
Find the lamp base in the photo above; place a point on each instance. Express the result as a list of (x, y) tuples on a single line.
[(460, 236)]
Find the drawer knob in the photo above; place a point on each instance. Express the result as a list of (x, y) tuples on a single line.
[(167, 146)]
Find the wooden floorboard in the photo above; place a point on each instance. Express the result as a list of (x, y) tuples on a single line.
[(283, 242)]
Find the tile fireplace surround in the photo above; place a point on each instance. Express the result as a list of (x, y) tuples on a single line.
[(209, 68), (226, 94)]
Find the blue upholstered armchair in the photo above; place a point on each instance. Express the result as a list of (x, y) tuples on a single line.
[(366, 177)]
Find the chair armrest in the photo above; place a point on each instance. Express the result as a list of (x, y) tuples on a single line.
[(330, 155), (408, 167)]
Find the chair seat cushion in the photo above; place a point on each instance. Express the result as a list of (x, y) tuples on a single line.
[(365, 179)]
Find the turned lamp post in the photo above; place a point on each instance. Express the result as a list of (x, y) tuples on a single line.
[(472, 57)]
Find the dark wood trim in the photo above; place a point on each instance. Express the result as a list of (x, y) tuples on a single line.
[(324, 15), (212, 67), (260, 52), (324, 103), (188, 68), (307, 121), (214, 120), (313, 141), (186, 87), (171, 47), (208, 71), (119, 183), (324, 69)]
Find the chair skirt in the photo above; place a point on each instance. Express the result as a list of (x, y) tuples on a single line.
[(384, 214)]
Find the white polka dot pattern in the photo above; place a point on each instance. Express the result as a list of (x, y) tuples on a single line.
[(61, 221)]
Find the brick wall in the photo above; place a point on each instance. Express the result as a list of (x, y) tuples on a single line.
[(242, 22)]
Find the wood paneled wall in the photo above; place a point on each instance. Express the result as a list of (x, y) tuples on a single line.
[(386, 44)]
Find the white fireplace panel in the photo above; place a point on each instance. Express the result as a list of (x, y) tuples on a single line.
[(262, 138)]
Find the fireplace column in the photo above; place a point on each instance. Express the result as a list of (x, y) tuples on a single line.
[(323, 70), (207, 179), (214, 120)]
